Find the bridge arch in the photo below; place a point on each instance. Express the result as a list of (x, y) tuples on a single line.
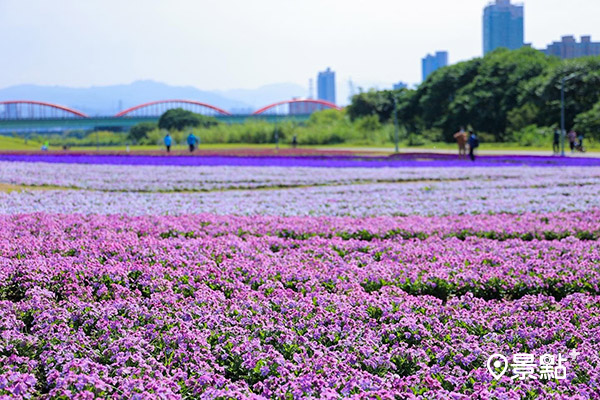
[(31, 109), (298, 106), (157, 108)]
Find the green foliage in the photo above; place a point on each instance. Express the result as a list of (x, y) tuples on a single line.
[(415, 140), (582, 90), (326, 127), (588, 123), (432, 135), (139, 133), (322, 128), (379, 103), (522, 117), (325, 117), (480, 92), (251, 131), (368, 123), (502, 96), (80, 138), (532, 135), (178, 119), (438, 102)]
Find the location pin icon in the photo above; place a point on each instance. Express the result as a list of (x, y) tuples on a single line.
[(495, 363)]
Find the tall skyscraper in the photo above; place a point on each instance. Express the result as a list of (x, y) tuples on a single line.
[(502, 26), (433, 62), (326, 85), (569, 48)]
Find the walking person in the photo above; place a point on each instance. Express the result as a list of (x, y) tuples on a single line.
[(572, 136), (580, 147), (473, 144), (556, 142), (192, 141), (461, 140), (295, 141), (168, 140)]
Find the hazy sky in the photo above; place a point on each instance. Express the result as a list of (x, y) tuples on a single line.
[(224, 44)]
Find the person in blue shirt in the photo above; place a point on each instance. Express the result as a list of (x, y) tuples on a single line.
[(579, 146), (168, 141), (473, 143), (192, 141)]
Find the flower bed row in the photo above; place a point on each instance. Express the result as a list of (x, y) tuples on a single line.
[(225, 307), (441, 198), (149, 178), (527, 227)]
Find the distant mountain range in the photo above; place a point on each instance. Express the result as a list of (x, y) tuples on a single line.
[(108, 100)]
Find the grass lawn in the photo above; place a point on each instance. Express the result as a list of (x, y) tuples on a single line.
[(10, 143), (15, 144)]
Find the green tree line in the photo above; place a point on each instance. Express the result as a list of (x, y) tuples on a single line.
[(505, 96)]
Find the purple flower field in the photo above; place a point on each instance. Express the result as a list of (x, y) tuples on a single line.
[(404, 160), (221, 307), (294, 191), (182, 281)]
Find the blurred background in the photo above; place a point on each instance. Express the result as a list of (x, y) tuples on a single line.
[(345, 73)]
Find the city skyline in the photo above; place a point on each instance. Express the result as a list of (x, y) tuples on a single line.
[(568, 47), (83, 44), (503, 26)]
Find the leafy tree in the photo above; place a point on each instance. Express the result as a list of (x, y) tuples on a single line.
[(588, 122), (379, 103), (479, 92), (497, 95), (179, 119), (497, 88), (139, 132), (582, 90), (408, 110), (532, 135), (362, 105), (521, 117), (439, 104)]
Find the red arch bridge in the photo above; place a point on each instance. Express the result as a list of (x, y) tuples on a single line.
[(38, 116), (29, 109)]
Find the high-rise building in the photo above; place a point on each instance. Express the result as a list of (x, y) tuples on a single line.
[(399, 85), (326, 85), (569, 48), (433, 62), (502, 26), (305, 107)]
